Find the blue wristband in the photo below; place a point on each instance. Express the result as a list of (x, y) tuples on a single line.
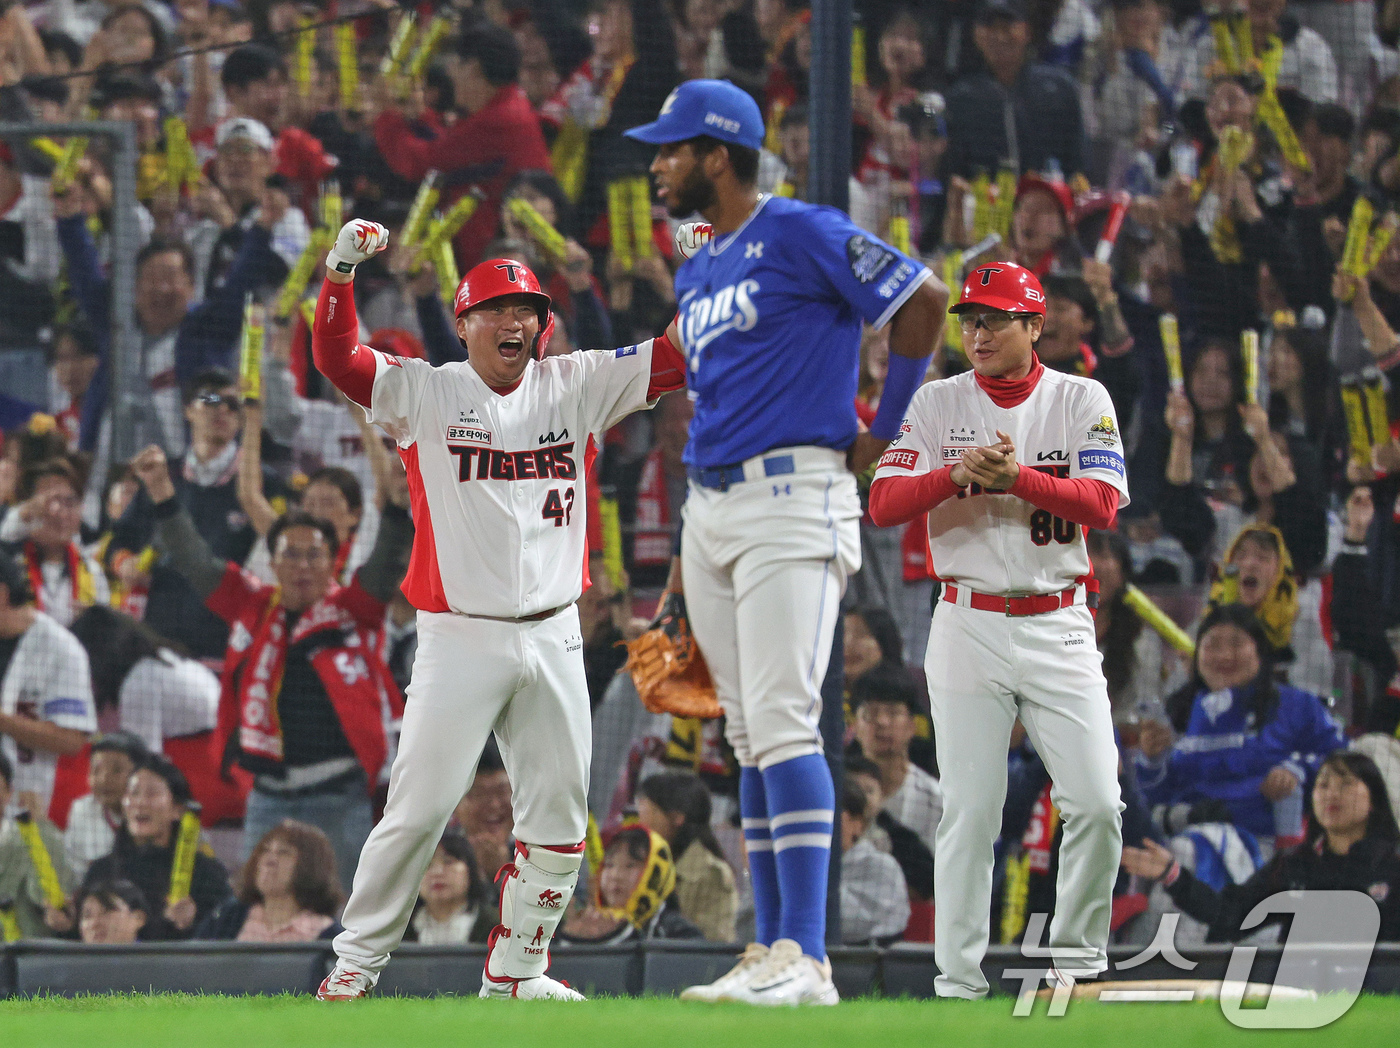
[(905, 375)]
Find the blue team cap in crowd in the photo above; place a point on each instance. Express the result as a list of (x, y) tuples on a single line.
[(705, 107)]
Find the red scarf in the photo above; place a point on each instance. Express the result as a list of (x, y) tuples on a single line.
[(1008, 392), (77, 574)]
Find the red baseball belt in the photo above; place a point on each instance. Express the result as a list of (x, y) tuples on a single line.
[(1034, 604)]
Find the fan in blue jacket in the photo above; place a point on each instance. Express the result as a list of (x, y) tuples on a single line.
[(1241, 738)]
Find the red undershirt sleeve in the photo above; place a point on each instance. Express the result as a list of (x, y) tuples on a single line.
[(335, 344), (898, 500), (1081, 500), (667, 368)]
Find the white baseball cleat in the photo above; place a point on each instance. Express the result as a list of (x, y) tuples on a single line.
[(345, 984), (753, 955), (541, 987), (786, 978)]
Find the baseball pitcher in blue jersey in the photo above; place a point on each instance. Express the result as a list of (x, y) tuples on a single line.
[(770, 311)]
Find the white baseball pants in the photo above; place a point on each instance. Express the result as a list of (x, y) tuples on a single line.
[(984, 670), (525, 681), (764, 565)]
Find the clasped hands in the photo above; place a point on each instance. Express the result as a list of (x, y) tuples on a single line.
[(994, 467)]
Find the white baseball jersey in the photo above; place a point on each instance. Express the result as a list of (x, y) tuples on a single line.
[(992, 541), (497, 482), (48, 679)]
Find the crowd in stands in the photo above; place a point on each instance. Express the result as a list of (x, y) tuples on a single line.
[(213, 626)]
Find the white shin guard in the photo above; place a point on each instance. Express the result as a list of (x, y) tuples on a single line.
[(538, 887)]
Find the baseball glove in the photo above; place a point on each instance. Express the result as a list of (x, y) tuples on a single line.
[(667, 667)]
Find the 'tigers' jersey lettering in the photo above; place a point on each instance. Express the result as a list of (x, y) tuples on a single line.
[(552, 463), (728, 309)]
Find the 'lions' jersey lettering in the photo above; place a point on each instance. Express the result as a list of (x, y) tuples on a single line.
[(770, 318)]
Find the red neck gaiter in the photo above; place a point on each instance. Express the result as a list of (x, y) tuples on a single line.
[(1008, 392)]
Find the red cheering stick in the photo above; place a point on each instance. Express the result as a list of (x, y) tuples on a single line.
[(1109, 236)]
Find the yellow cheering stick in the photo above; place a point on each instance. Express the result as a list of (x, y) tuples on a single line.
[(348, 66), (858, 73), (1147, 610), (66, 170), (181, 163), (593, 846), (41, 860), (1354, 408), (1005, 204), (550, 240), (302, 58), (611, 522), (442, 229), (982, 223), (1358, 237), (300, 276), (1272, 116), (445, 264), (640, 190), (1225, 52), (900, 233), (428, 42), (1373, 387), (1171, 349), (1249, 353), (48, 147), (332, 205), (619, 214), (399, 42), (251, 350), (420, 212), (9, 923), (182, 865)]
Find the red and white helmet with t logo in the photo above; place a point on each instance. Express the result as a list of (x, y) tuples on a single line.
[(1002, 285), (498, 277)]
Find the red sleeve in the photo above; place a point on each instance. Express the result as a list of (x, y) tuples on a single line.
[(406, 154), (1082, 500), (335, 343), (366, 609), (235, 590), (667, 368), (898, 500)]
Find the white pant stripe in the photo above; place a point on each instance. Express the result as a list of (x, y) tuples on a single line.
[(788, 818), (754, 824), (802, 840)]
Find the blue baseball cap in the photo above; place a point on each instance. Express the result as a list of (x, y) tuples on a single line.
[(705, 107)]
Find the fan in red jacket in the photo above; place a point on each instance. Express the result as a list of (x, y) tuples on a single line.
[(305, 691), (499, 137)]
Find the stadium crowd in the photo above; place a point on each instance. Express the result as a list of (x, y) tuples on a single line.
[(213, 627)]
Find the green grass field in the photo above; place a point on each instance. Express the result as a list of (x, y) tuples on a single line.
[(214, 1022)]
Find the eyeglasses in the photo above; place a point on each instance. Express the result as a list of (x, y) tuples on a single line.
[(297, 556), (993, 322), (213, 400), (882, 713)]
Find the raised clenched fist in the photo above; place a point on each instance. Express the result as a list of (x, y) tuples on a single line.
[(692, 236), (358, 240)]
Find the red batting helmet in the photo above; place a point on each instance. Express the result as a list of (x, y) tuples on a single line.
[(1002, 285), (498, 277)]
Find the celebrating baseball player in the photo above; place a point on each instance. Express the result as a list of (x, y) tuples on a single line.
[(1013, 461), (494, 449), (770, 319)]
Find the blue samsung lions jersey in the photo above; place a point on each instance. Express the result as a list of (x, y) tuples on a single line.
[(770, 318)]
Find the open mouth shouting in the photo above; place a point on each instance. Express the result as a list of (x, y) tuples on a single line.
[(510, 347)]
